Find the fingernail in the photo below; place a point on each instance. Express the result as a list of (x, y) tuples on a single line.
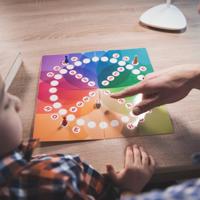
[(136, 110)]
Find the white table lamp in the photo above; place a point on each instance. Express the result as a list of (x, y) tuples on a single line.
[(164, 16)]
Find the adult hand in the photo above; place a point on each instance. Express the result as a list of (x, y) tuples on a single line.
[(163, 87)]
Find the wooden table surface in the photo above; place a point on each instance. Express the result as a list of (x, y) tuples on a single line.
[(42, 27)]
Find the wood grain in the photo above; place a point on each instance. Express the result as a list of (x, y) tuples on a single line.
[(42, 27)]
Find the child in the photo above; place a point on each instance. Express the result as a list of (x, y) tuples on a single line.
[(24, 177)]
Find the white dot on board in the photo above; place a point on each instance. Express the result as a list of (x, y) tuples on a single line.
[(86, 99), (135, 71), (110, 78), (78, 63), (80, 122), (113, 60), (140, 77), (91, 124), (92, 94), (72, 72), (50, 74), (126, 58), (103, 125), (53, 90), (62, 111), (120, 69), (143, 68), (78, 76), (56, 68), (76, 129), (63, 71), (95, 59), (47, 108), (74, 58), (91, 83), (79, 104), (129, 66), (105, 82), (115, 55), (53, 98), (114, 123), (121, 63), (104, 59), (125, 119), (84, 79), (73, 109), (54, 83), (70, 117), (54, 116), (86, 60), (58, 76), (115, 73), (57, 105), (69, 67)]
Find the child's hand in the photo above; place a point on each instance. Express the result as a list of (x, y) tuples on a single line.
[(139, 167), (163, 87)]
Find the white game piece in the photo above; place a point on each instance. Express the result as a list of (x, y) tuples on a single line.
[(57, 105), (126, 58), (121, 101), (129, 67), (84, 79), (74, 58), (114, 123), (105, 82), (120, 69), (70, 67), (80, 122), (78, 63), (78, 76), (121, 63), (47, 108), (92, 94), (56, 68), (53, 90), (125, 119), (73, 109), (54, 83), (58, 76), (140, 77), (86, 99), (91, 124), (103, 125), (91, 83), (95, 59), (72, 72), (135, 71), (53, 97), (115, 73), (115, 55), (76, 129), (54, 116), (62, 112), (130, 126), (50, 74), (79, 104), (63, 71), (104, 59), (70, 117), (110, 78), (86, 60), (143, 68), (113, 60)]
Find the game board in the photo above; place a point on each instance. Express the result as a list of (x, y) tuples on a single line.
[(74, 102)]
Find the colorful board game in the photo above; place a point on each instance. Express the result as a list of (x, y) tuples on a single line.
[(74, 103)]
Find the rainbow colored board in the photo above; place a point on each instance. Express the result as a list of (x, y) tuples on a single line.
[(73, 101)]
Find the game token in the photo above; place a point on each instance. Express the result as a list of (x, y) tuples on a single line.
[(110, 78), (115, 73), (64, 122), (86, 60), (79, 104), (97, 105), (76, 129), (74, 58), (135, 71), (50, 74), (113, 60), (121, 63), (120, 69), (73, 109), (69, 67), (63, 71), (115, 55), (143, 68), (135, 61)]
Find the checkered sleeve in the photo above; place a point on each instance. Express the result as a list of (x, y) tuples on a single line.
[(187, 190)]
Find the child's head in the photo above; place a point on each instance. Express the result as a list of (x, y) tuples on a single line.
[(10, 123)]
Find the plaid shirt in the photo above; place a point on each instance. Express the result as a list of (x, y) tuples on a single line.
[(58, 176)]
